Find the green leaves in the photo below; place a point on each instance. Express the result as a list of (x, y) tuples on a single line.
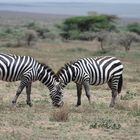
[(82, 24), (134, 27)]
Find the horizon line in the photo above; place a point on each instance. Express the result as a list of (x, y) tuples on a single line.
[(107, 2)]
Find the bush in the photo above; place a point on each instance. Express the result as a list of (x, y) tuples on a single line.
[(41, 30), (88, 36), (50, 35), (135, 110), (127, 38), (129, 95), (134, 27), (105, 123), (8, 33), (74, 26), (101, 37), (30, 36), (74, 34)]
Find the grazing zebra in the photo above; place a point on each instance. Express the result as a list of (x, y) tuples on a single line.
[(93, 71), (28, 70)]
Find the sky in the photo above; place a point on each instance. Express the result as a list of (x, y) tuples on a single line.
[(105, 1)]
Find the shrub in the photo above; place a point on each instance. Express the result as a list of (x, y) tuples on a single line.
[(129, 95), (127, 38), (105, 123), (88, 36), (135, 110), (30, 36), (50, 35), (8, 33), (101, 37), (41, 30), (84, 24), (134, 27), (31, 25)]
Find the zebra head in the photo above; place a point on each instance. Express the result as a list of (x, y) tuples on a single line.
[(57, 95)]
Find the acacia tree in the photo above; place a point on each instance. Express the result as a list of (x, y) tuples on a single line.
[(134, 27), (101, 37), (30, 35), (127, 38), (82, 24)]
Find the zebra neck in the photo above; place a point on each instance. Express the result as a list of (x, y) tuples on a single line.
[(46, 76), (66, 76)]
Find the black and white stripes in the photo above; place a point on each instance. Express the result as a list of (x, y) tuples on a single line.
[(27, 69), (93, 71), (84, 72)]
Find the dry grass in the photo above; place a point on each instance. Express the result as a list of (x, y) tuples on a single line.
[(43, 121), (61, 114)]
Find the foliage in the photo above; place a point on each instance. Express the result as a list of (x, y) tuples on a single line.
[(82, 24), (101, 37), (13, 37), (129, 95), (40, 29), (105, 123), (127, 38), (88, 36), (134, 27), (136, 111), (30, 36), (11, 33)]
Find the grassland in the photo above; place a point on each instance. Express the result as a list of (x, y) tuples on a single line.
[(91, 122)]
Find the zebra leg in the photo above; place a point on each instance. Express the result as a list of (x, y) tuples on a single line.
[(87, 90), (113, 84), (20, 88), (114, 95), (109, 85), (28, 92), (79, 92)]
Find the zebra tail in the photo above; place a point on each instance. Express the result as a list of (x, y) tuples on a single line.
[(120, 84)]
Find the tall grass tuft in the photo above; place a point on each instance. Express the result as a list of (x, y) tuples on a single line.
[(60, 114), (135, 110)]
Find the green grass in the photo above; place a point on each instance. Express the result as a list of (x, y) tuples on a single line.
[(95, 121)]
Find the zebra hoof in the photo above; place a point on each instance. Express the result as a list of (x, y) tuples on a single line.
[(30, 104), (111, 105), (13, 105), (77, 105)]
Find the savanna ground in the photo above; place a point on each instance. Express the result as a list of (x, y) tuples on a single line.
[(91, 122)]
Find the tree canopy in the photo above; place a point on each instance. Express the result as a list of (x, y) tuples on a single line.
[(134, 27), (81, 24)]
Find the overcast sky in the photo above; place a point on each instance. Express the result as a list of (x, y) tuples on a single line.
[(105, 1)]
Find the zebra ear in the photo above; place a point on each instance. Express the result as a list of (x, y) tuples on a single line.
[(61, 83)]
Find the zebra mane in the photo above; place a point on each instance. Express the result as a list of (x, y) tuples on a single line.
[(49, 69), (66, 65), (73, 61)]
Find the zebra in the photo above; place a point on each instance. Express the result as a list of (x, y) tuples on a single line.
[(93, 71), (27, 70)]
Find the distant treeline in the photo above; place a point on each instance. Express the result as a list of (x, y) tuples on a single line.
[(100, 27)]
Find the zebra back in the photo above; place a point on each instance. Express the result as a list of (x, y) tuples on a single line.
[(14, 67)]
